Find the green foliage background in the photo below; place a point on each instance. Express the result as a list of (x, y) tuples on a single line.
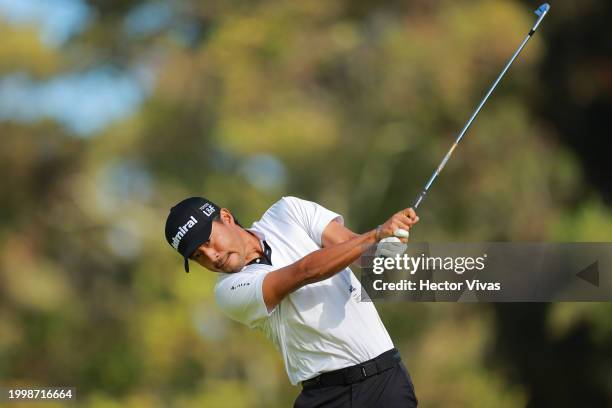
[(353, 104)]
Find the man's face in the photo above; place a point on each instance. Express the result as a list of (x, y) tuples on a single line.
[(224, 251)]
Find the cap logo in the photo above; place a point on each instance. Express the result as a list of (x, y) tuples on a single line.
[(207, 209), (182, 230)]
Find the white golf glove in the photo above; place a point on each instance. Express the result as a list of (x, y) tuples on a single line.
[(391, 246)]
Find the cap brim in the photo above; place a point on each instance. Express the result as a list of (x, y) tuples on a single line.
[(200, 236)]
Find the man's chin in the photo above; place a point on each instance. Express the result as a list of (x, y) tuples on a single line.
[(233, 266)]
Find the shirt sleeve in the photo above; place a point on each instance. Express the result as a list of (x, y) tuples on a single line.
[(240, 295), (311, 216)]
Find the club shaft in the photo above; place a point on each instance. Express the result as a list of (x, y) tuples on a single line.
[(433, 177)]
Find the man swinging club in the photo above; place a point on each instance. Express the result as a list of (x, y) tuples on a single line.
[(288, 275)]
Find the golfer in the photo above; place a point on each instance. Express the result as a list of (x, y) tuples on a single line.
[(288, 276)]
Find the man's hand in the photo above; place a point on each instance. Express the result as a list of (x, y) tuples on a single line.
[(403, 220)]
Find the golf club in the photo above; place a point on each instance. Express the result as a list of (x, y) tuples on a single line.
[(541, 13)]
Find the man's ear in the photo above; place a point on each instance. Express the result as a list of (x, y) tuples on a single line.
[(226, 216)]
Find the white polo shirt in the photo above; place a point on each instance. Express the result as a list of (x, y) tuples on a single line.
[(320, 327)]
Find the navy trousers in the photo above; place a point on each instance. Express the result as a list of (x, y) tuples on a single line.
[(389, 389)]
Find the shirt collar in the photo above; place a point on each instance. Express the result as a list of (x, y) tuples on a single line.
[(258, 234), (266, 258)]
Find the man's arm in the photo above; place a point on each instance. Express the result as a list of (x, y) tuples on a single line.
[(336, 233), (341, 247)]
